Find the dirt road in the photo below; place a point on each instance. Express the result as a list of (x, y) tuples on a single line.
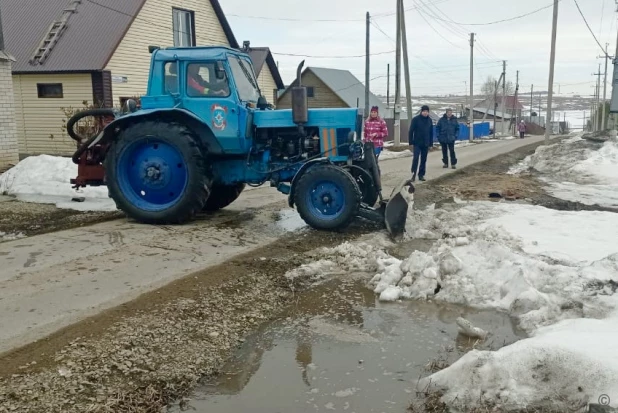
[(149, 351), (53, 280)]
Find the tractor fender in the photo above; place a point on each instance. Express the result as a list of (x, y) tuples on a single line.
[(176, 115), (301, 171)]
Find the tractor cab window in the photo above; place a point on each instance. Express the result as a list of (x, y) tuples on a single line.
[(246, 84), (203, 81), (171, 77)]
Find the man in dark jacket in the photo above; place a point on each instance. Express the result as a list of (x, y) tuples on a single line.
[(447, 131), (420, 138)]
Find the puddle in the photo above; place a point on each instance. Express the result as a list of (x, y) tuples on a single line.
[(340, 349)]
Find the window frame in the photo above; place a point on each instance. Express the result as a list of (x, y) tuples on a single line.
[(177, 33), (204, 63), (40, 91), (236, 81)]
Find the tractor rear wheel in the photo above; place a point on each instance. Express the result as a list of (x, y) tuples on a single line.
[(222, 196), (327, 197), (155, 173)]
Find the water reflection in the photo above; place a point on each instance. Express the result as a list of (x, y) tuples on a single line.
[(338, 348)]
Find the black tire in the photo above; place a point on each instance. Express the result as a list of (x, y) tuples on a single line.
[(344, 187), (369, 192), (151, 135), (222, 196)]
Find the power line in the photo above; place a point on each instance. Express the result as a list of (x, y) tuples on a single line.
[(588, 26), (521, 16), (436, 31)]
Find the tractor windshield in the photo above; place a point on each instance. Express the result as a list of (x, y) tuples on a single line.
[(248, 90)]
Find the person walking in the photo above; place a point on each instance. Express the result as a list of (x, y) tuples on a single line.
[(521, 128), (447, 131), (420, 138), (375, 130)]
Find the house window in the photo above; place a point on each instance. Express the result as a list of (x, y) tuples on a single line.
[(310, 92), (183, 23), (50, 90)]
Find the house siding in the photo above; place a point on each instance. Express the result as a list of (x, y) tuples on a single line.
[(40, 120), (267, 84), (153, 26), (324, 97), (8, 125)]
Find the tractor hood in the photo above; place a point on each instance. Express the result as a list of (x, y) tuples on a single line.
[(336, 118)]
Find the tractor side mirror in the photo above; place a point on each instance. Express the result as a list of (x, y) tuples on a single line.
[(219, 71)]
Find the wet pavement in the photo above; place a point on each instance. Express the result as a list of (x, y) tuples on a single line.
[(339, 349)]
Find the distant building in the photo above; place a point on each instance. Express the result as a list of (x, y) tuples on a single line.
[(331, 88), (512, 107)]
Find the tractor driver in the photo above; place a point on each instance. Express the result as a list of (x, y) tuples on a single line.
[(197, 86)]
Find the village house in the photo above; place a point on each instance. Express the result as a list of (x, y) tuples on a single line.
[(73, 51), (8, 126), (331, 88)]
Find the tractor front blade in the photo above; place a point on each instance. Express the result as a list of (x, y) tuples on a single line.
[(396, 210)]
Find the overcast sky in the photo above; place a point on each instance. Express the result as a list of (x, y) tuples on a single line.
[(438, 49)]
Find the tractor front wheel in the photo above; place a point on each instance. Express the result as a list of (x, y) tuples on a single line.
[(155, 173), (222, 196), (327, 197)]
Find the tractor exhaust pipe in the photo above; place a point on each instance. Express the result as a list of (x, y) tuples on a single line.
[(300, 106)]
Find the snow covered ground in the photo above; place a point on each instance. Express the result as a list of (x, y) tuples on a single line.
[(46, 179), (578, 170), (554, 272)]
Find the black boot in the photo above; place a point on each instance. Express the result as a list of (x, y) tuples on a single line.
[(445, 166), (421, 178), (413, 177)]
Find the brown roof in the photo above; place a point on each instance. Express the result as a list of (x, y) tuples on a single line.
[(91, 37), (261, 55)]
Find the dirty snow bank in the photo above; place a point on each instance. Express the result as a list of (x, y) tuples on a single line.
[(515, 258), (362, 257), (577, 170), (522, 260), (564, 366), (46, 179)]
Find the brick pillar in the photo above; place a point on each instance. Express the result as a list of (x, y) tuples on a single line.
[(9, 152)]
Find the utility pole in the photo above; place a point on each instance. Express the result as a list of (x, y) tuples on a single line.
[(503, 103), (471, 119), (597, 96), (515, 101), (584, 125), (614, 99), (606, 57), (396, 110), (531, 103), (406, 68), (552, 60), (367, 65), (388, 86)]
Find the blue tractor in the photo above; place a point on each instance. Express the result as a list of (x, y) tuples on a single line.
[(204, 131)]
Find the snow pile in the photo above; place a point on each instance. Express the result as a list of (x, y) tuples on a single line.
[(577, 170), (10, 236), (554, 272), (515, 258), (361, 257), (46, 179), (564, 366)]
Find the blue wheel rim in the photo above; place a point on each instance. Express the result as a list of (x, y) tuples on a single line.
[(326, 200), (152, 174)]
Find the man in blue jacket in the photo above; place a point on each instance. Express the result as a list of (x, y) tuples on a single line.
[(447, 131), (420, 138)]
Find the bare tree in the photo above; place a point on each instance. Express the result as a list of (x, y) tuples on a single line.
[(489, 87)]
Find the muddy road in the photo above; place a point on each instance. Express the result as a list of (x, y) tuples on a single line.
[(151, 351)]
